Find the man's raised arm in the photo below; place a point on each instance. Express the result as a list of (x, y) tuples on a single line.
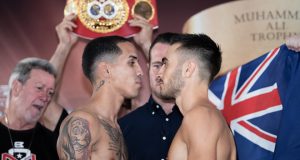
[(66, 41)]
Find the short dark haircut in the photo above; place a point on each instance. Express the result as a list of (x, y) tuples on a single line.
[(165, 38), (99, 50), (24, 67), (204, 49)]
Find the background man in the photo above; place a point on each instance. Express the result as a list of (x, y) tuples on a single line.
[(149, 130), (25, 130), (32, 86)]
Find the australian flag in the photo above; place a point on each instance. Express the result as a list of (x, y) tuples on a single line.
[(261, 103)]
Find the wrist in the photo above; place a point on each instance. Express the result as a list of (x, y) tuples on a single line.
[(146, 47), (64, 46)]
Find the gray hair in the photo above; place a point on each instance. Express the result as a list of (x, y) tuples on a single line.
[(22, 70)]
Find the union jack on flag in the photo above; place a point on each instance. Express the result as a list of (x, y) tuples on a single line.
[(257, 100)]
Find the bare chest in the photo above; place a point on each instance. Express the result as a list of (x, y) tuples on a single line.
[(178, 149), (110, 144)]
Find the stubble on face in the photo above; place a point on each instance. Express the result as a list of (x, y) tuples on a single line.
[(36, 95), (158, 51), (171, 86)]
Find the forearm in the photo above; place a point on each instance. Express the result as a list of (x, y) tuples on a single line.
[(59, 58), (145, 47), (54, 110)]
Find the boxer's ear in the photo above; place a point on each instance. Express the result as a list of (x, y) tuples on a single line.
[(188, 68)]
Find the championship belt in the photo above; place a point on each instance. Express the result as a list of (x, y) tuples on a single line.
[(97, 18)]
